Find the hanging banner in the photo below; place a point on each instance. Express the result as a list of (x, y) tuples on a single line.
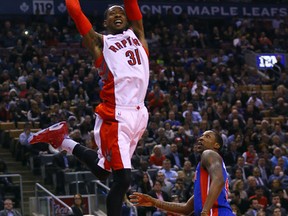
[(199, 9)]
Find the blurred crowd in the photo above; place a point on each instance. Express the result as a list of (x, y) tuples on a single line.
[(199, 80)]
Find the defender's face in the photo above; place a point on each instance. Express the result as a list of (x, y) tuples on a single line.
[(116, 21), (206, 141)]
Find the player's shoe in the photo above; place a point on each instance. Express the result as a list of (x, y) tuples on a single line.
[(54, 135)]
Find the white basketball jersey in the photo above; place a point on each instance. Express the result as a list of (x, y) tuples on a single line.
[(124, 69)]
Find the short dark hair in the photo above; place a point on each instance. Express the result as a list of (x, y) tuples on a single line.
[(275, 195), (218, 139), (251, 200)]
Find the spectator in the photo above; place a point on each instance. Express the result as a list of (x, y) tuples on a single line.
[(251, 186), (155, 98), (243, 204), (236, 116), (169, 133), (166, 185), (283, 198), (261, 213), (259, 195), (78, 206), (279, 174), (195, 115), (184, 142), (237, 175), (254, 207), (174, 123), (158, 193), (278, 67), (33, 115), (164, 144), (264, 170), (277, 211), (144, 186), (275, 186), (179, 190), (279, 131), (86, 126), (265, 42), (275, 203), (239, 187), (246, 170), (188, 173), (235, 210), (25, 147), (256, 173), (7, 187), (139, 173), (8, 209), (51, 98), (141, 154), (230, 157), (255, 101), (156, 158), (250, 156), (170, 175), (175, 157), (278, 153), (58, 84), (253, 112), (280, 107), (194, 156), (72, 123)]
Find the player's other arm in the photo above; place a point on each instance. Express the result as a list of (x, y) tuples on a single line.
[(134, 16), (212, 162), (92, 40)]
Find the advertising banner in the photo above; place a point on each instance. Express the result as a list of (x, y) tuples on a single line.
[(199, 9)]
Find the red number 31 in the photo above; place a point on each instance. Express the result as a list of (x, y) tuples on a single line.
[(133, 56)]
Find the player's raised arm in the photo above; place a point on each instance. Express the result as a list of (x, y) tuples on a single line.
[(92, 40), (134, 16)]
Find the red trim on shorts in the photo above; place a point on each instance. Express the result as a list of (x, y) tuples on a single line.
[(109, 145)]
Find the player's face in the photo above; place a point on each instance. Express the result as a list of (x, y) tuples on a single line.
[(116, 21), (206, 141)]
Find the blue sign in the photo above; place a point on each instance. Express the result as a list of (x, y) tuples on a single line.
[(90, 7), (267, 60)]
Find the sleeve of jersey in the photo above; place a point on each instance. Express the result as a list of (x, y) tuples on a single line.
[(132, 10), (82, 23)]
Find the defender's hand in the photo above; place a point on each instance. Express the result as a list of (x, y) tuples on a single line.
[(139, 199)]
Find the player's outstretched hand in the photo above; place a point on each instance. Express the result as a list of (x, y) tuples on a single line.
[(139, 199)]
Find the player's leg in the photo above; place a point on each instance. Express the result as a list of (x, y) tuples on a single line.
[(122, 143), (90, 158), (57, 136), (120, 185)]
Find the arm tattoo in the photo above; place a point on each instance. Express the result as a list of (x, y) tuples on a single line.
[(169, 206)]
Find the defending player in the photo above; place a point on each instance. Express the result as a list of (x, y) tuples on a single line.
[(211, 184)]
